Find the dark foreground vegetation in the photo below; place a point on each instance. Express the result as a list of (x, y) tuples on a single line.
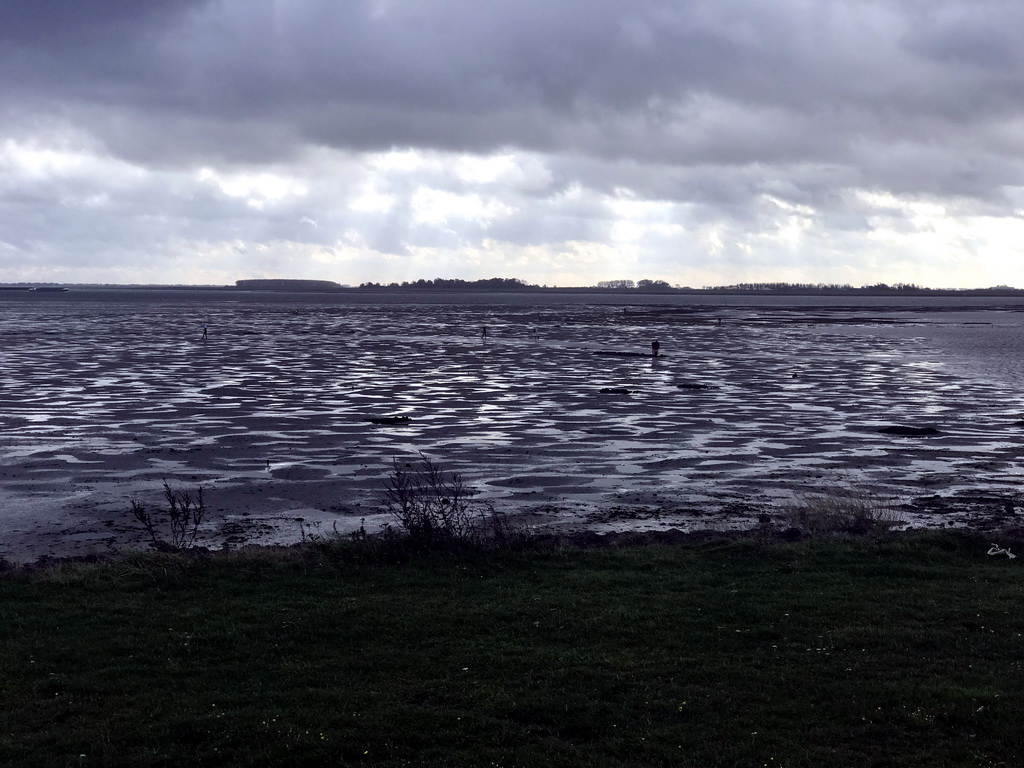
[(896, 650)]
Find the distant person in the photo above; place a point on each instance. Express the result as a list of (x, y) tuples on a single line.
[(483, 332), (655, 346), (205, 333)]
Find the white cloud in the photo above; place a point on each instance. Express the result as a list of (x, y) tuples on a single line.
[(711, 141), (31, 163), (372, 201), (258, 189), (440, 207)]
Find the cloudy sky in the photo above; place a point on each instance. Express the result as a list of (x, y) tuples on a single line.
[(563, 142)]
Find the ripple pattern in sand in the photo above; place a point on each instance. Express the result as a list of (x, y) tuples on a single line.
[(272, 413)]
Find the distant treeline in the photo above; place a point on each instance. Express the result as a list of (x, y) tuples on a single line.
[(286, 284), (515, 284), (454, 284), (660, 286), (908, 289), (643, 285)]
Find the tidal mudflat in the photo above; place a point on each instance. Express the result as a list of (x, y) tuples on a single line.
[(284, 414)]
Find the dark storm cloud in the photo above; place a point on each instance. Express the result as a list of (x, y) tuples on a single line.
[(90, 53), (751, 130), (63, 24), (714, 81)]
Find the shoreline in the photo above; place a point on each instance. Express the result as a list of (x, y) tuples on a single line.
[(373, 550)]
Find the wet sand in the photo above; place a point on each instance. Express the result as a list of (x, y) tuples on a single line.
[(278, 413)]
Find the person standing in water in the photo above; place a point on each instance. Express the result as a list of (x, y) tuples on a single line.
[(205, 336), (483, 332), (655, 346)]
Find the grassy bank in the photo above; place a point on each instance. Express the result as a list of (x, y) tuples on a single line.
[(903, 651)]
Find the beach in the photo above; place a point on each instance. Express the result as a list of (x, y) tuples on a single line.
[(294, 410)]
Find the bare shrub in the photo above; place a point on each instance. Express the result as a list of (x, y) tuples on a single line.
[(846, 511), (180, 519), (435, 509), (430, 505)]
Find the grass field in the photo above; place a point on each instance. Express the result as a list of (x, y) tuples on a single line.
[(902, 650)]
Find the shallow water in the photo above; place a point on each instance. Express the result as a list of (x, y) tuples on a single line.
[(104, 397)]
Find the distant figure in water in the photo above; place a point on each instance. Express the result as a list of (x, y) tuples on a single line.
[(483, 332), (204, 331), (655, 346)]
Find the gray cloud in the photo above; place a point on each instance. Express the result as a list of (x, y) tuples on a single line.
[(710, 107)]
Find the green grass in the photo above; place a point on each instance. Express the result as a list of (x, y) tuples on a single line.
[(900, 651)]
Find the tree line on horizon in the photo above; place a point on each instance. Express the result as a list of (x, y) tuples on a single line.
[(455, 284), (910, 289), (515, 284), (660, 286)]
